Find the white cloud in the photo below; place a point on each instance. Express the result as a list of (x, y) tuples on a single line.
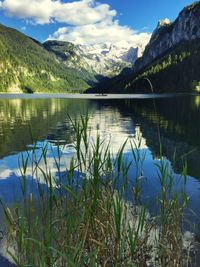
[(87, 21), (46, 11), (23, 28), (101, 32)]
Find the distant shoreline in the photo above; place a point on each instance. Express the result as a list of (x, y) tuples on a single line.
[(92, 96)]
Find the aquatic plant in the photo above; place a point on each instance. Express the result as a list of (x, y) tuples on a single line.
[(80, 217)]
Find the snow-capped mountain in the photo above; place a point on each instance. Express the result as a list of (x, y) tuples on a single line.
[(100, 59)]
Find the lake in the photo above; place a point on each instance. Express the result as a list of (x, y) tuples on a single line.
[(175, 118)]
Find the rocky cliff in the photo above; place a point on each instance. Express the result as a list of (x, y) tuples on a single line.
[(170, 61), (169, 34)]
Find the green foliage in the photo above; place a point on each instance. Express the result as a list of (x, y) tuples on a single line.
[(175, 71), (84, 220), (26, 64)]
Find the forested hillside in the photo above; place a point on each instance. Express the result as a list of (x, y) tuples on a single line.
[(177, 71), (170, 61), (26, 66)]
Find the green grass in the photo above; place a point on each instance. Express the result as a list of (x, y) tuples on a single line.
[(87, 222)]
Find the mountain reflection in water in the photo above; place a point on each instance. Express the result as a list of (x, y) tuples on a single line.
[(23, 121)]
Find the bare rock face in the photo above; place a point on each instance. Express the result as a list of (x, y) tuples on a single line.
[(167, 35), (101, 59), (131, 55)]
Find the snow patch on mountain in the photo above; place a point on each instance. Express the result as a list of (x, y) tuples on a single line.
[(102, 59)]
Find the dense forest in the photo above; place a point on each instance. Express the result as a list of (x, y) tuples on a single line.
[(176, 71), (25, 65)]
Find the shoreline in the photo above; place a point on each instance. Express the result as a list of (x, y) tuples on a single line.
[(92, 96)]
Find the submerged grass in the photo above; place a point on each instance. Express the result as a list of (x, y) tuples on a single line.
[(79, 218)]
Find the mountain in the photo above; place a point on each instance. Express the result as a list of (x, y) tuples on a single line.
[(25, 65), (171, 59), (168, 35), (100, 60)]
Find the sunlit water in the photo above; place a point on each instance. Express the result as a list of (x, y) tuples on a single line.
[(177, 120)]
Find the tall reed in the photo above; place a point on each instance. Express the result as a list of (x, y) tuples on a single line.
[(80, 217)]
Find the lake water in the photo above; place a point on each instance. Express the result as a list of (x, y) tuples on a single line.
[(46, 120)]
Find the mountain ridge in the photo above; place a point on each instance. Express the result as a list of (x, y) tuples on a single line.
[(26, 65), (105, 60), (184, 28), (170, 60)]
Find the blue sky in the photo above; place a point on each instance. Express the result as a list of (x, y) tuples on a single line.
[(146, 13), (88, 21)]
